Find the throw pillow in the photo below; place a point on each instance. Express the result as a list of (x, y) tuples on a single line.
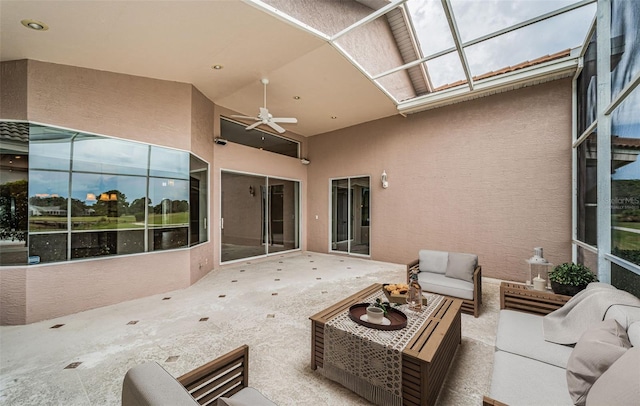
[(620, 384), (596, 350), (433, 261), (461, 266)]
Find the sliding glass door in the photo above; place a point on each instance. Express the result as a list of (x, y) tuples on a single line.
[(260, 215), (350, 220)]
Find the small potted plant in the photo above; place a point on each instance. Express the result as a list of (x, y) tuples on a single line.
[(570, 278), (385, 306)]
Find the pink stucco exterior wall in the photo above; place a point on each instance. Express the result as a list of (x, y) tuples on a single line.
[(490, 176)]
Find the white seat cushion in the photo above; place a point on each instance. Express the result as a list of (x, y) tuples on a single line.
[(441, 284), (521, 333), (519, 380)]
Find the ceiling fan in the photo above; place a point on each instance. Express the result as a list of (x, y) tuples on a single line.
[(264, 117)]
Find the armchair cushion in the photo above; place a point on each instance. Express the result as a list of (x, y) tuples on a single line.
[(433, 261), (596, 350), (461, 266)]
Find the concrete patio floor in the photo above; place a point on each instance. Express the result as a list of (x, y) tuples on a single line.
[(265, 303)]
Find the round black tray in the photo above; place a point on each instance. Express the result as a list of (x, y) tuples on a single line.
[(396, 317)]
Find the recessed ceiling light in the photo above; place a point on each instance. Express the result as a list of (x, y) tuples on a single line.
[(35, 25), (334, 117), (217, 67), (296, 97)]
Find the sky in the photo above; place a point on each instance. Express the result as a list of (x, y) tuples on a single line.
[(479, 17)]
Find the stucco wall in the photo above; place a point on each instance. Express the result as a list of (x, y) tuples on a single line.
[(13, 90), (490, 176), (202, 124), (123, 106), (141, 109)]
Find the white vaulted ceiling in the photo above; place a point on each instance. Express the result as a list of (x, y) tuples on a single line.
[(181, 40)]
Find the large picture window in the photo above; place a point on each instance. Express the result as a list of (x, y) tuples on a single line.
[(88, 196)]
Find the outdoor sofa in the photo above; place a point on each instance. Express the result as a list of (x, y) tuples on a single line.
[(451, 274), (600, 368)]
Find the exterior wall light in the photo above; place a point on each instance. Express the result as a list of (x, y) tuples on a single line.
[(383, 178)]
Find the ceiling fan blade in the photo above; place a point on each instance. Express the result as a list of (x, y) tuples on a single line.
[(254, 125), (245, 117), (290, 120), (275, 127)]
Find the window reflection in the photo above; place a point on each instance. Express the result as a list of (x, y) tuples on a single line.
[(92, 153), (587, 197), (48, 192), (169, 163), (104, 243), (168, 202), (625, 179), (49, 148), (107, 201), (625, 43)]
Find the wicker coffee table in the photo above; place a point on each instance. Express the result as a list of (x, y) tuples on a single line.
[(425, 359)]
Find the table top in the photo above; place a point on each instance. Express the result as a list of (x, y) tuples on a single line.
[(426, 341)]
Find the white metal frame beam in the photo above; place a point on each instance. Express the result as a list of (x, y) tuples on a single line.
[(455, 32), (603, 154), (489, 36)]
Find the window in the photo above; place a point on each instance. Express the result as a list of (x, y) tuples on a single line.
[(85, 195), (610, 120), (235, 132)]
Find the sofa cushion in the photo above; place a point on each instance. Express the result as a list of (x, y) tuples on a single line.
[(519, 380), (433, 261), (246, 397), (149, 384), (461, 266), (634, 334), (596, 350), (521, 333), (443, 285), (620, 384)]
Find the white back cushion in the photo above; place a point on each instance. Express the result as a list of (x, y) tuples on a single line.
[(433, 261)]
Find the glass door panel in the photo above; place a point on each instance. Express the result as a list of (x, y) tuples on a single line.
[(283, 222), (360, 215), (260, 215), (350, 221), (242, 208), (340, 215)]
